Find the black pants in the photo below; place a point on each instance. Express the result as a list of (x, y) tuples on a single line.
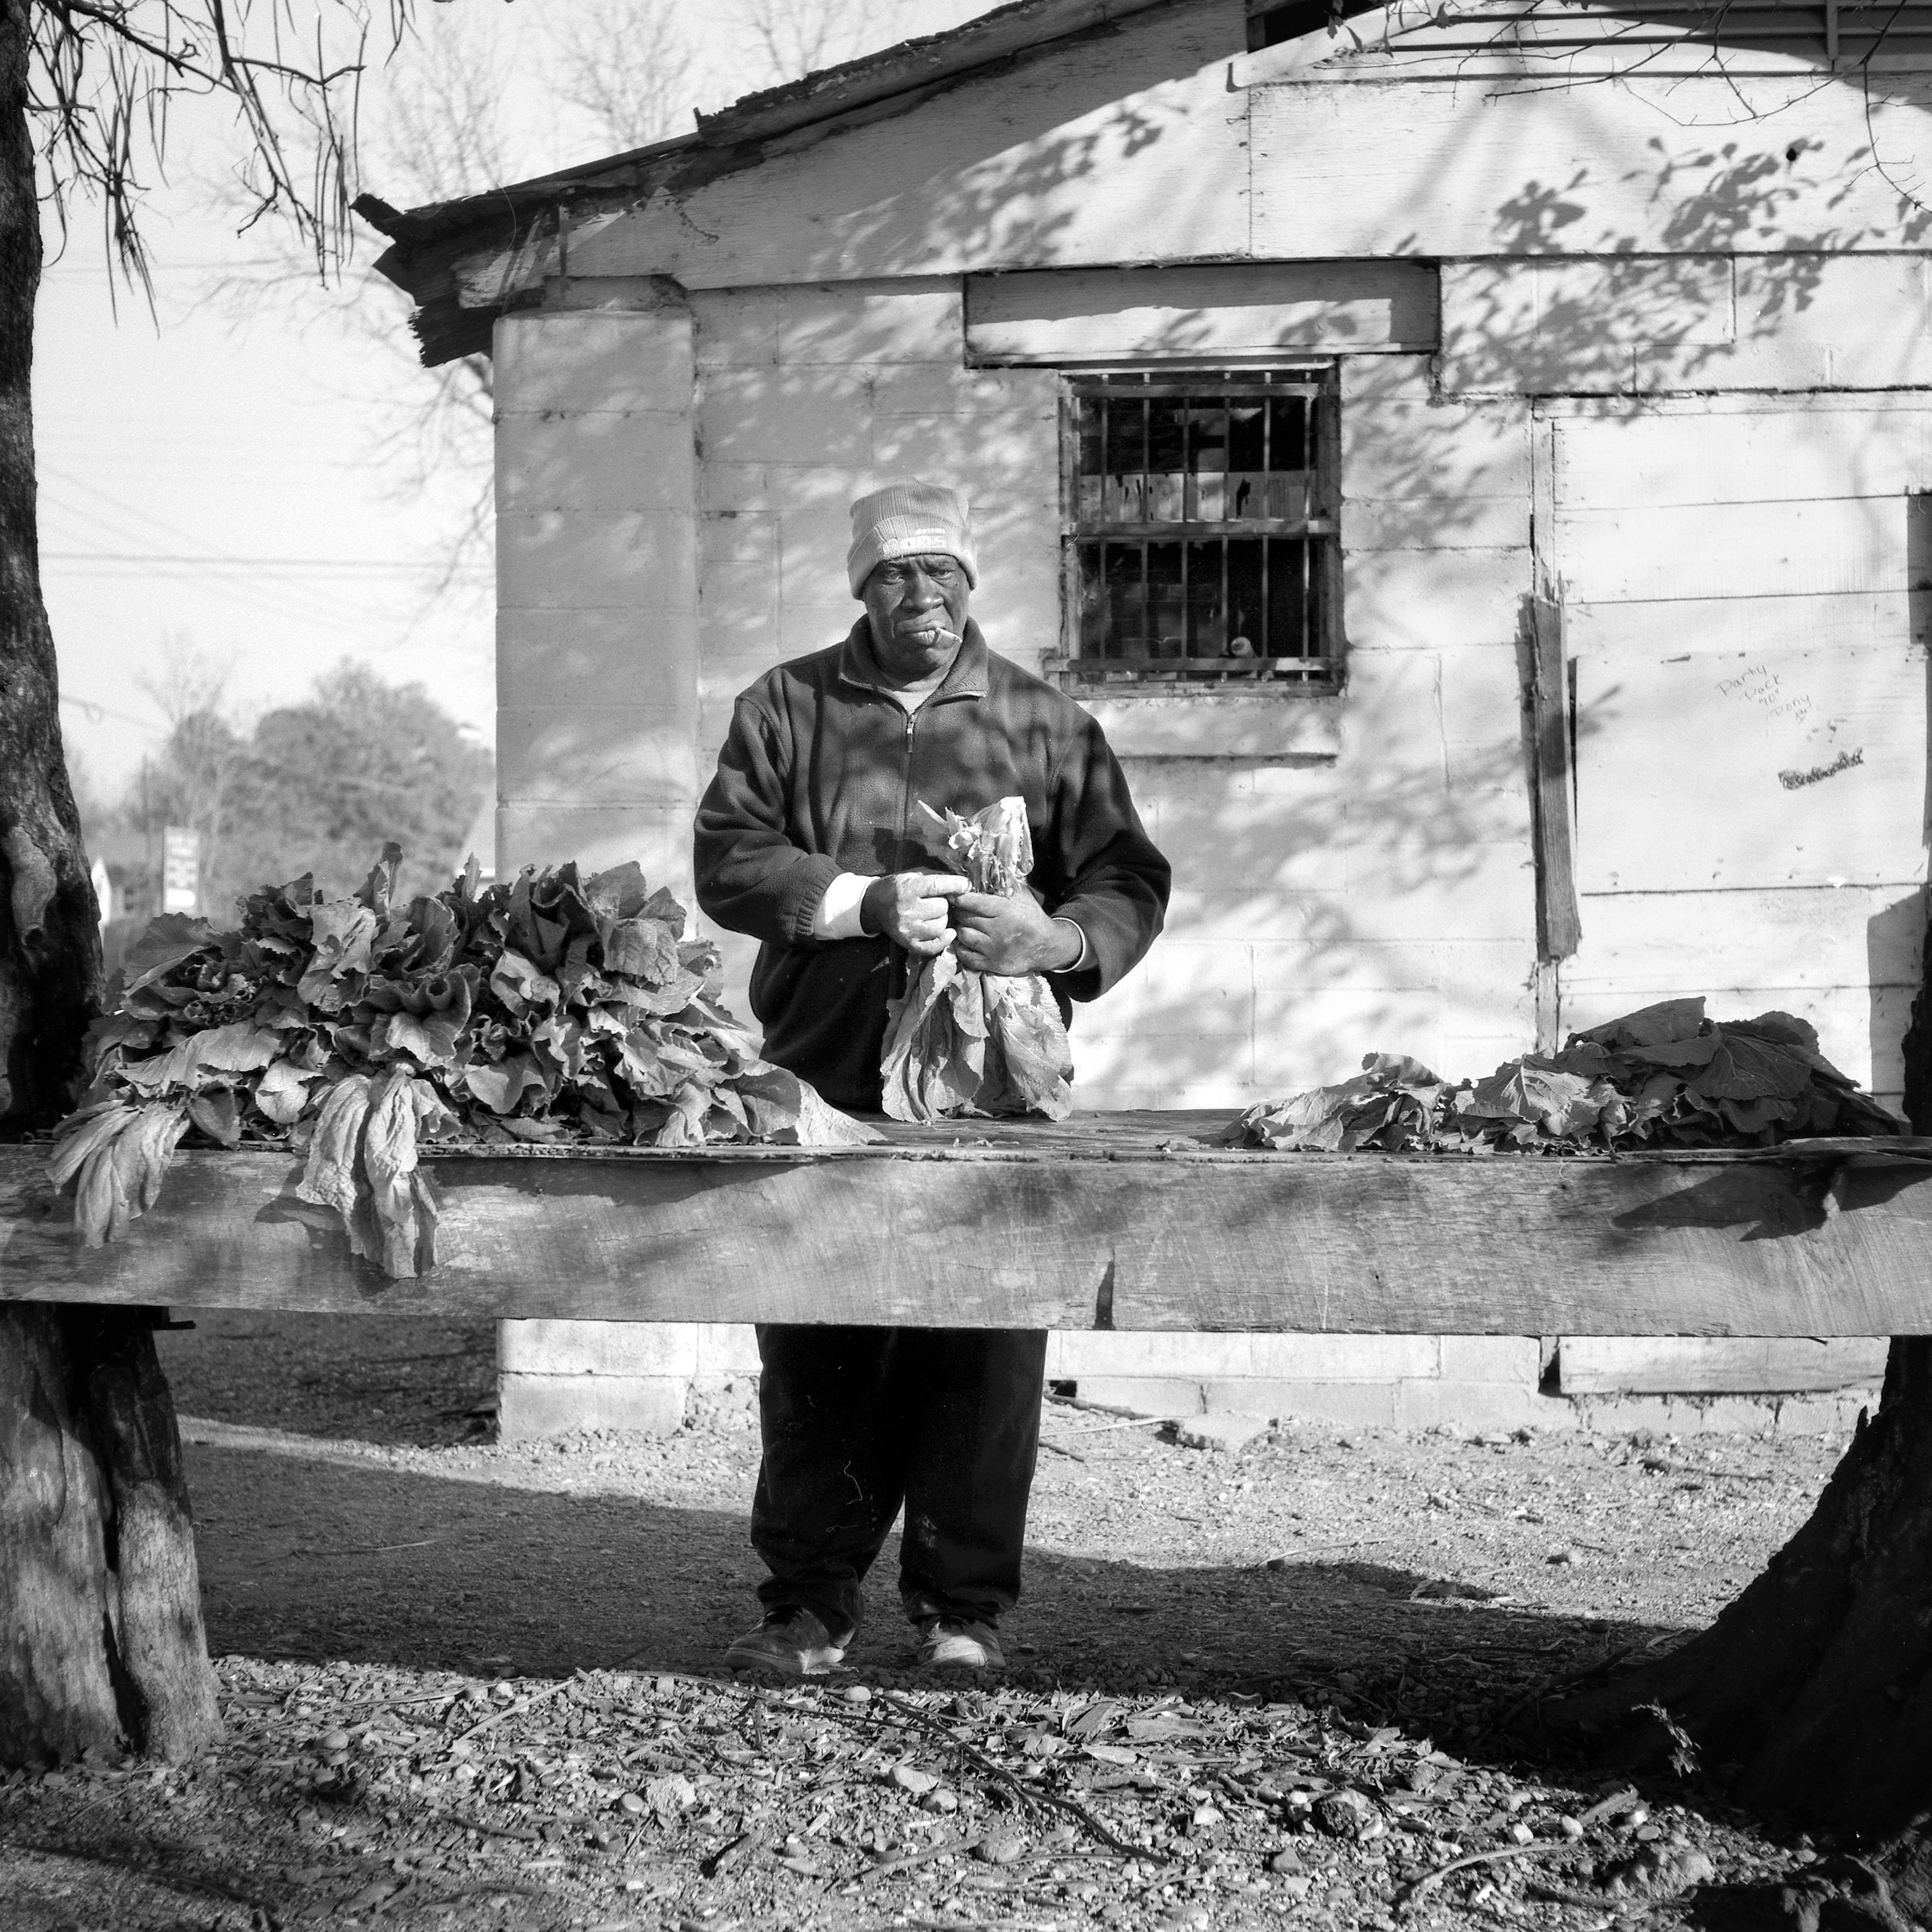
[(856, 1421)]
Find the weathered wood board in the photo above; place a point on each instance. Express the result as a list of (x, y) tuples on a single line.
[(1735, 1365), (1238, 310), (1774, 766), (1121, 1221)]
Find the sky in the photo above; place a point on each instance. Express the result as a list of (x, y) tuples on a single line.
[(228, 489)]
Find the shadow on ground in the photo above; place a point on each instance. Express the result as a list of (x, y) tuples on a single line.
[(377, 1564)]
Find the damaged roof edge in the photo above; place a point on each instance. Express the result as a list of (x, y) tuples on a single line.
[(419, 261), (1011, 29)]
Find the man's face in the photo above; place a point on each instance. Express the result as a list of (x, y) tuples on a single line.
[(917, 608)]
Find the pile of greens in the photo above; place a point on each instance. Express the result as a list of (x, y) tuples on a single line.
[(961, 1042), (549, 1008), (1665, 1077)]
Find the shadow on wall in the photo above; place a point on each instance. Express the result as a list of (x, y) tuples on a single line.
[(1382, 897)]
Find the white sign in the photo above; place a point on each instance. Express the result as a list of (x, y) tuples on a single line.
[(181, 869)]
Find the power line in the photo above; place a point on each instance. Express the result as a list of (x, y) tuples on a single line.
[(270, 565), (260, 598), (96, 712)]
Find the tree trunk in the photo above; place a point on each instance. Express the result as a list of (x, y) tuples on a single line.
[(1812, 1691), (1815, 1685), (101, 1645), (49, 931)]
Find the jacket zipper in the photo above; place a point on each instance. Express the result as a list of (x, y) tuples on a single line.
[(905, 793), (902, 961)]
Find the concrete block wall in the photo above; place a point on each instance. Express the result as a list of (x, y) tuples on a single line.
[(597, 682), (557, 1377), (1356, 873), (597, 584)]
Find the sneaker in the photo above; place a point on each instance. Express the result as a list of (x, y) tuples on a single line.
[(958, 1643), (793, 1642)]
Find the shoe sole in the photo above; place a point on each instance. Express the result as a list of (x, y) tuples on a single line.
[(981, 1662), (796, 1663)]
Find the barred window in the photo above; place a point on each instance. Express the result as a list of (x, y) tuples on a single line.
[(1201, 530)]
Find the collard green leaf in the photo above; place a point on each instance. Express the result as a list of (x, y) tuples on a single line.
[(521, 985), (1660, 1025), (618, 893), (332, 1177), (282, 1092), (429, 1039), (642, 948), (238, 1048), (501, 1087), (170, 939), (217, 1116)]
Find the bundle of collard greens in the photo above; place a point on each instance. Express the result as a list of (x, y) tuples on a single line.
[(549, 1008), (966, 1042), (1665, 1077)]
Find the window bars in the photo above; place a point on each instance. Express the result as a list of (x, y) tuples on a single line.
[(1202, 531)]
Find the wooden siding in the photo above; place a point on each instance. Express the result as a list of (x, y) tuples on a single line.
[(1163, 142), (1243, 313), (1750, 708)]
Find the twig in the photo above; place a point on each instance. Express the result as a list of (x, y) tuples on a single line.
[(516, 1709), (483, 1825), (506, 1887), (911, 1859), (367, 1548), (1336, 1543), (1410, 1893), (1019, 1787), (1566, 1681), (1609, 1807), (1073, 1455), (741, 1847), (1557, 1894), (1731, 1475), (1133, 1422)]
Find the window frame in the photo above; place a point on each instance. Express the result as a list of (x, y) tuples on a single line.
[(1311, 675)]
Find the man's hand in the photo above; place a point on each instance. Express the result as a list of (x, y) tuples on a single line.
[(1011, 936), (911, 909)]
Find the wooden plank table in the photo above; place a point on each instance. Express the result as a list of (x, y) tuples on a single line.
[(1129, 1221)]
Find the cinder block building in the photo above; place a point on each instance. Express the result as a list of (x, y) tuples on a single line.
[(1472, 459)]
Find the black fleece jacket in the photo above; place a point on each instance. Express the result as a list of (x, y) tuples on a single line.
[(823, 773)]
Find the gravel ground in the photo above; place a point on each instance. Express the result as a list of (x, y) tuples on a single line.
[(470, 1684)]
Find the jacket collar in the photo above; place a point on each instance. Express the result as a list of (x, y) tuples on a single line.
[(858, 665)]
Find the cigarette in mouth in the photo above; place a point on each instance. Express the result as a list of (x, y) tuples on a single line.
[(937, 631)]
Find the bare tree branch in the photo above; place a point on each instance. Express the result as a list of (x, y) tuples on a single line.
[(627, 71), (106, 74)]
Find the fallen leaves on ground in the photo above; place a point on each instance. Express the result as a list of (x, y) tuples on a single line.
[(612, 1798)]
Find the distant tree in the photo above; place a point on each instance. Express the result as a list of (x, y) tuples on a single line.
[(317, 787), (361, 761)]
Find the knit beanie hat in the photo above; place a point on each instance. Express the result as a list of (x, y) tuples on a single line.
[(909, 519)]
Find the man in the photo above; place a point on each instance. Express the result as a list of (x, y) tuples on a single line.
[(810, 839)]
